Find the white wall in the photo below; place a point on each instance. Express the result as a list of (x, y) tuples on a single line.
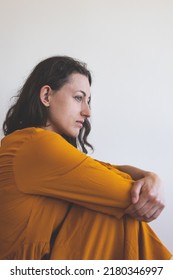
[(128, 46)]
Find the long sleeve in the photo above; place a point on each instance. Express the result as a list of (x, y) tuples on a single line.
[(48, 165), (114, 168)]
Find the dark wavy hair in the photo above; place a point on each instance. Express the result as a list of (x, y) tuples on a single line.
[(28, 110)]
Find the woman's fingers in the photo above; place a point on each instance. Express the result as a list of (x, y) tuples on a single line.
[(147, 198), (147, 212)]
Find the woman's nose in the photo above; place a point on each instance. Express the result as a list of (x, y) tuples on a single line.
[(86, 111)]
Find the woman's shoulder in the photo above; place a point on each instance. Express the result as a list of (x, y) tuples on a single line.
[(25, 134), (41, 143), (33, 139), (46, 150)]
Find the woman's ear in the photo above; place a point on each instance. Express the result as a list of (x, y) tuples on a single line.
[(45, 94)]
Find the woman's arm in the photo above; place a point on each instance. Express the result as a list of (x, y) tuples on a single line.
[(146, 194), (47, 165), (134, 172), (147, 200)]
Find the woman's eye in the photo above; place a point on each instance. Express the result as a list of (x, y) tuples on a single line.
[(78, 98)]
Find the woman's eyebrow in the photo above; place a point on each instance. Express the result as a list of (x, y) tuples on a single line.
[(84, 93)]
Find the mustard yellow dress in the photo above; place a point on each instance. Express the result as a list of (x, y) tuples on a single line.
[(57, 203)]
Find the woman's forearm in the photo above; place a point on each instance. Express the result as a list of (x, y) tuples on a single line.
[(134, 172)]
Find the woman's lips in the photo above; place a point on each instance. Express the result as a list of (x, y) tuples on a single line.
[(79, 123)]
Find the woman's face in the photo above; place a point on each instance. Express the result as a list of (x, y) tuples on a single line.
[(68, 107)]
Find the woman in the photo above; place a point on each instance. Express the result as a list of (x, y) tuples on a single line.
[(55, 201)]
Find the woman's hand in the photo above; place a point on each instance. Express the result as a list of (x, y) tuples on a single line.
[(147, 198)]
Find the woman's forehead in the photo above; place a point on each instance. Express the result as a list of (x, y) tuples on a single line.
[(80, 83)]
